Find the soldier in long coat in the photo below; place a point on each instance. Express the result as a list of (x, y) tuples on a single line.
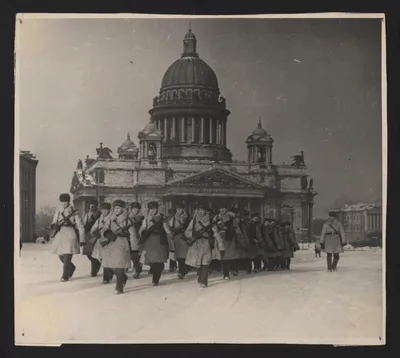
[(96, 231), (117, 232), (155, 237), (228, 226), (201, 233), (272, 243), (245, 262), (256, 241), (68, 230), (136, 218), (172, 259), (290, 244), (332, 240), (178, 225), (88, 243)]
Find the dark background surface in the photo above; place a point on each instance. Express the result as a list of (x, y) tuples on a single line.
[(393, 31)]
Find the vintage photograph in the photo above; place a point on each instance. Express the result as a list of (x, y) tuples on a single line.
[(200, 179)]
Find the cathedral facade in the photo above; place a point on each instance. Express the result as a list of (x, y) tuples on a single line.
[(182, 156)]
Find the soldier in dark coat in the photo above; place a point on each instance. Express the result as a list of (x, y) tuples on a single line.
[(256, 241), (67, 230), (201, 233), (290, 244), (245, 263), (273, 243), (332, 240), (88, 243), (96, 231), (172, 259), (117, 232), (228, 226), (178, 224), (136, 218), (215, 264), (155, 237)]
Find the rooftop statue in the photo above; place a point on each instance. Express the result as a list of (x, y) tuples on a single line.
[(103, 152), (298, 160), (80, 165)]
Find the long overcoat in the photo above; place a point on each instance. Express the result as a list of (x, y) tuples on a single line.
[(200, 253), (270, 237), (229, 228), (117, 253), (136, 221), (290, 243), (88, 220), (155, 239), (178, 224), (96, 231), (256, 241), (67, 239), (333, 237)]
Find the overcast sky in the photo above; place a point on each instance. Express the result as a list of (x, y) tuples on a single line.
[(316, 84)]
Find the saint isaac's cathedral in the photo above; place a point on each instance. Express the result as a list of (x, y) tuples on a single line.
[(182, 155)]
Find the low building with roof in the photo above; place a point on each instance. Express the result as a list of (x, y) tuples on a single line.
[(27, 195), (361, 220)]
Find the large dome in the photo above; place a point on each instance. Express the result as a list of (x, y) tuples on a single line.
[(190, 71)]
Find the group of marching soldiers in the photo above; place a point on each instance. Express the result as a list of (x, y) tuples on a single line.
[(118, 236)]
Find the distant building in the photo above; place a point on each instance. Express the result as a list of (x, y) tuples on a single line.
[(361, 220), (27, 188)]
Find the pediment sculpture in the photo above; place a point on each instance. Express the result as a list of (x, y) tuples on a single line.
[(215, 179)]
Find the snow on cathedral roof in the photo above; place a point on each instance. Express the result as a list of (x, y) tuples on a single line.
[(358, 207), (85, 178)]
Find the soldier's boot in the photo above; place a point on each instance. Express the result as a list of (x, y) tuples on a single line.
[(329, 262), (335, 262)]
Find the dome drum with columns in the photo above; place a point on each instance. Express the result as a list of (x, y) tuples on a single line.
[(189, 110), (182, 155)]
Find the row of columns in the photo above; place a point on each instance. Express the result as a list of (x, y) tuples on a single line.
[(144, 149), (253, 155), (210, 130), (374, 222)]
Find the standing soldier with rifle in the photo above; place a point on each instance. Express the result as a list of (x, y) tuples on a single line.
[(117, 233), (88, 244), (201, 233), (96, 231), (136, 218), (66, 229), (155, 242), (178, 224)]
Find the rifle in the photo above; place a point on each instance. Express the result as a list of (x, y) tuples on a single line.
[(111, 236), (147, 232), (56, 227), (198, 234)]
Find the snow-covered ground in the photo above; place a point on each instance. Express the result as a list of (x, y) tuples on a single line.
[(305, 305)]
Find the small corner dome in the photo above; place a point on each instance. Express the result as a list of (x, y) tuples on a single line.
[(127, 144), (151, 130), (259, 134)]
